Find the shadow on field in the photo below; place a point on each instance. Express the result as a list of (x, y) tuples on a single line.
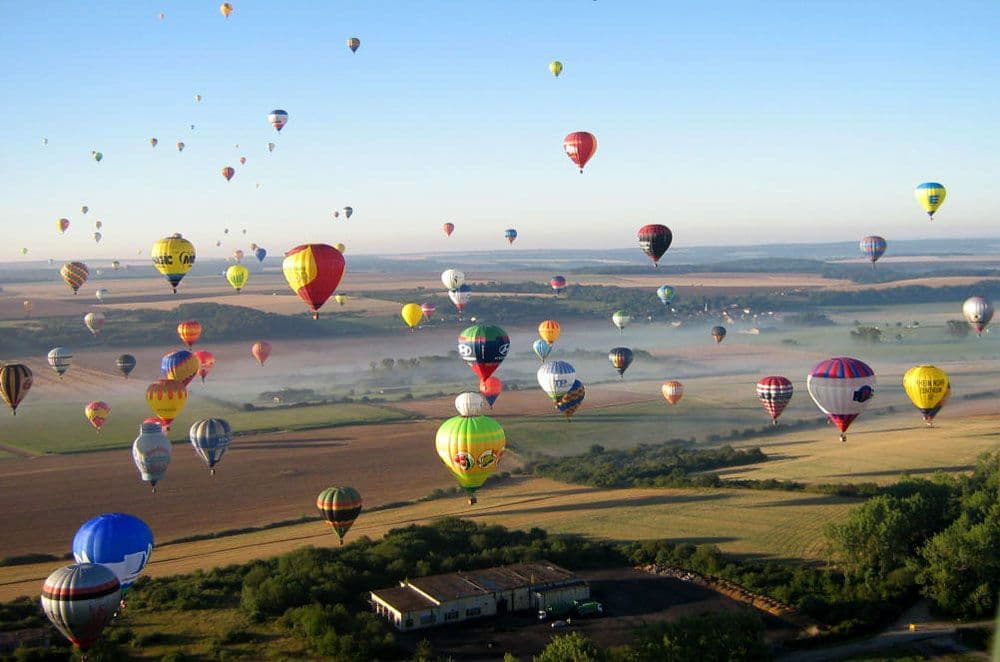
[(657, 500), (299, 443), (824, 500), (701, 540), (899, 472)]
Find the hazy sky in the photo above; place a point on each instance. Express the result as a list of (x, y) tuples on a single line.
[(731, 122)]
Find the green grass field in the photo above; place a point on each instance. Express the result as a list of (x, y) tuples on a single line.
[(66, 429)]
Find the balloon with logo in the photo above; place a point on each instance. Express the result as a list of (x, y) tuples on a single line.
[(94, 322), (978, 312), (549, 331), (189, 332), (842, 388), (340, 507), (470, 404), (491, 388), (278, 119), (80, 600), (654, 240), (412, 315), (580, 147), (97, 412), (181, 366), (210, 438), (558, 284), (125, 364), (60, 359), (542, 349), (672, 391), (718, 333), (121, 543), (556, 378), (931, 196), (621, 319), (621, 358), (313, 271), (483, 347), (928, 388), (15, 382), (471, 448), (237, 275), (873, 247), (571, 400), (666, 294), (166, 398), (173, 257), (74, 274), (775, 392), (206, 361)]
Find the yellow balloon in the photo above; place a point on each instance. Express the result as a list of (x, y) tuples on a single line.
[(166, 398), (173, 257), (556, 68), (931, 196), (549, 331), (341, 299), (237, 275), (226, 9), (471, 448), (412, 314), (928, 388)]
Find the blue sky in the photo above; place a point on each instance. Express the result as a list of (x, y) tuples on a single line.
[(730, 122)]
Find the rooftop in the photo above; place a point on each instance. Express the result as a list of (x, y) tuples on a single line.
[(403, 598), (443, 588)]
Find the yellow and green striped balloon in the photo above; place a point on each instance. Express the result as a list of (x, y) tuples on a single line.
[(471, 448), (237, 275)]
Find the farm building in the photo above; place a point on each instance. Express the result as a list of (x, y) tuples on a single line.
[(458, 596)]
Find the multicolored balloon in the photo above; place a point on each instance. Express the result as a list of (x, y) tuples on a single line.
[(181, 366), (873, 247), (718, 333), (978, 312), (580, 146), (654, 240), (125, 364), (491, 388), (542, 349), (460, 296), (166, 397), (571, 400), (80, 600), (60, 359), (428, 309), (666, 294), (842, 387), (74, 274), (189, 332), (549, 331), (173, 257), (483, 347), (62, 224), (278, 119), (931, 196), (621, 358), (471, 448), (226, 9), (672, 391), (15, 382), (340, 507), (228, 172), (556, 378), (313, 271), (775, 392), (210, 438), (206, 361), (928, 388), (558, 284), (621, 319), (353, 43), (119, 542), (510, 234), (97, 412)]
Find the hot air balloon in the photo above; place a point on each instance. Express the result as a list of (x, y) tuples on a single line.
[(775, 392), (151, 452), (166, 398), (978, 312), (621, 319), (428, 309), (278, 119), (718, 333), (412, 315), (237, 275), (181, 366), (119, 542), (24, 251), (448, 228), (452, 278), (470, 404), (226, 9), (341, 248), (931, 196), (260, 350), (62, 224), (45, 141), (270, 147), (97, 156), (542, 349), (94, 322), (243, 160), (510, 234), (60, 358), (341, 299), (28, 306), (197, 98), (153, 142), (556, 378), (206, 361), (471, 448), (173, 257), (672, 391), (558, 284), (116, 265), (620, 358), (74, 274), (841, 387), (189, 331), (556, 68), (96, 412), (348, 212), (260, 253), (491, 388), (180, 147), (210, 438), (101, 294), (666, 294), (571, 400), (125, 364), (484, 348), (580, 147), (313, 271), (339, 506), (228, 172), (353, 43), (654, 240), (15, 382), (80, 600), (873, 247), (238, 255), (549, 331), (928, 388), (84, 209), (460, 297)]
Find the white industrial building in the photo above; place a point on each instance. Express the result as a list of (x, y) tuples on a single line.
[(458, 596)]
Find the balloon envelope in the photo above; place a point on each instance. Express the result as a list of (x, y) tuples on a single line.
[(470, 404), (260, 351), (80, 600), (978, 312), (672, 391), (173, 257), (549, 331), (580, 146), (556, 378), (210, 438), (483, 347), (471, 448), (15, 382), (340, 507), (181, 366), (121, 543), (189, 332), (412, 314), (313, 271), (841, 387), (873, 247), (654, 240), (931, 196), (928, 387), (775, 392)]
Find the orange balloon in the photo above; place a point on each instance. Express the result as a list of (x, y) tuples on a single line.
[(261, 350), (189, 332), (228, 172)]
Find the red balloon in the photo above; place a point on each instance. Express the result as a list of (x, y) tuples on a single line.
[(261, 350), (580, 146), (654, 240), (228, 172), (491, 388), (313, 271), (428, 309)]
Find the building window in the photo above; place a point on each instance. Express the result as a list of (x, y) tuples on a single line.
[(473, 612), (451, 616), (428, 619)]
